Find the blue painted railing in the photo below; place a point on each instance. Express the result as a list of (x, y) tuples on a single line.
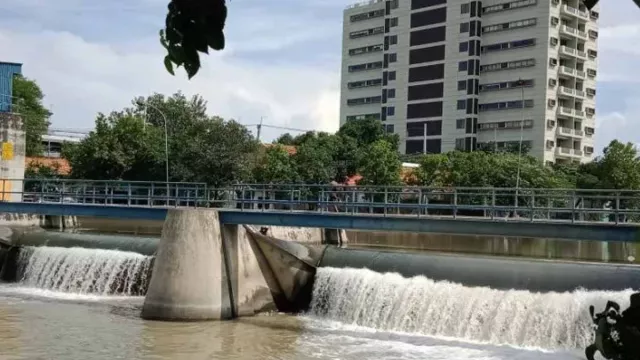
[(532, 205)]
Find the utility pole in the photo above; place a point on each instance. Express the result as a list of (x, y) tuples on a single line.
[(260, 127), (424, 139)]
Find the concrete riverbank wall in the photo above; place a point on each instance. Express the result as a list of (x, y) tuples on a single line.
[(487, 245), (536, 248)]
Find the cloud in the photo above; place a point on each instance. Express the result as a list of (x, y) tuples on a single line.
[(83, 75), (282, 61)]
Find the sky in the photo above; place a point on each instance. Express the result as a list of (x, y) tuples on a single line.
[(281, 62)]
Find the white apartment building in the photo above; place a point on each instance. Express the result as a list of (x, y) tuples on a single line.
[(461, 74)]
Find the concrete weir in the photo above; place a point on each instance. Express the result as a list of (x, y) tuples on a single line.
[(207, 271)]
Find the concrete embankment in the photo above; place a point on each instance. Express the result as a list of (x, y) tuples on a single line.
[(44, 221), (154, 228), (498, 245)]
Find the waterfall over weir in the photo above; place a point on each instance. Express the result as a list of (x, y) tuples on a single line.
[(418, 305), (84, 271)]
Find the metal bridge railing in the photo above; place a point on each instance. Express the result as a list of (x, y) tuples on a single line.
[(565, 205)]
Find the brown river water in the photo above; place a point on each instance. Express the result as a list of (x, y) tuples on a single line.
[(356, 314)]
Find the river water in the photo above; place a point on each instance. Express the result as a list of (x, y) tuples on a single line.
[(65, 308)]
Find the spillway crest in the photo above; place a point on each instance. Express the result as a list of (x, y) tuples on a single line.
[(389, 302), (84, 271)]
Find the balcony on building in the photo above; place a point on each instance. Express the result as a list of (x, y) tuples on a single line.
[(571, 69), (569, 149), (570, 89), (576, 13), (569, 129), (572, 50), (573, 32), (566, 111)]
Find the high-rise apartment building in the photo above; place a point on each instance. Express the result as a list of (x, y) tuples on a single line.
[(462, 74)]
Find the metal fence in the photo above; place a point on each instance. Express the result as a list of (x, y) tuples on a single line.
[(566, 205)]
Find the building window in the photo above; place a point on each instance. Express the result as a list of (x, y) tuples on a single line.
[(506, 85), (364, 100), (393, 22), (367, 32), (391, 110), (367, 15), (395, 4), (365, 67), (554, 21), (508, 45), (364, 83), (462, 66), (509, 65), (374, 116), (553, 41), (391, 93), (393, 57), (464, 8), (365, 50), (460, 124), (513, 124), (505, 105), (508, 6), (464, 46), (462, 85), (461, 105), (393, 39), (391, 75), (389, 128), (510, 25), (464, 28)]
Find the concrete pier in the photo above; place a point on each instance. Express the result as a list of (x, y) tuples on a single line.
[(189, 280), (207, 271)]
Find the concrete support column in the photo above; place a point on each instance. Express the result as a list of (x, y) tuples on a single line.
[(190, 280)]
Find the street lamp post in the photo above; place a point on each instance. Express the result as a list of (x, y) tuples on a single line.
[(166, 141)]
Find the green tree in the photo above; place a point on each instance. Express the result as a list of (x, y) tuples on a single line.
[(40, 171), (285, 139), (619, 167), (380, 164), (120, 148), (28, 103), (214, 151), (276, 166), (314, 161), (367, 132)]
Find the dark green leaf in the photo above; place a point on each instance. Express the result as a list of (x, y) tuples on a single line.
[(168, 65)]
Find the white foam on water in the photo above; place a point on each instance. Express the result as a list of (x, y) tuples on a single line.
[(448, 311), (80, 271)]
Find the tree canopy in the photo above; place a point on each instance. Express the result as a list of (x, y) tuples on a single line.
[(128, 145), (28, 103)]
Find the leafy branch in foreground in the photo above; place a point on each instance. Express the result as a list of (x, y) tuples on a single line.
[(192, 26)]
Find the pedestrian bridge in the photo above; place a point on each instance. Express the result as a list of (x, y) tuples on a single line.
[(601, 215)]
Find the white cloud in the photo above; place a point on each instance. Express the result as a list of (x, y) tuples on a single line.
[(81, 78)]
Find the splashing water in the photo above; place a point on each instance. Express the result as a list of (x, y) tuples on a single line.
[(389, 302), (84, 271)]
